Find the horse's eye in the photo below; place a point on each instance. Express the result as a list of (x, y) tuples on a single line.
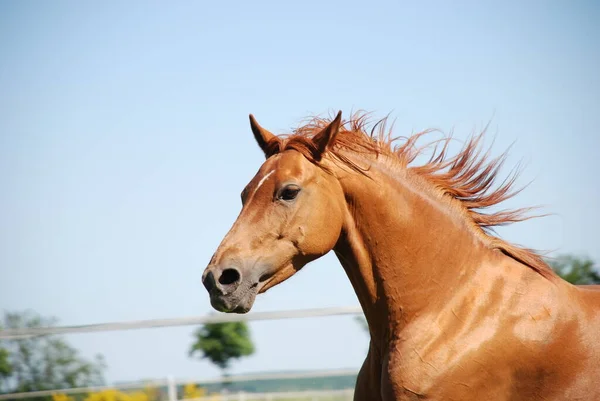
[(289, 193)]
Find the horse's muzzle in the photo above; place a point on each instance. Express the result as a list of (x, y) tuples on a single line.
[(229, 290)]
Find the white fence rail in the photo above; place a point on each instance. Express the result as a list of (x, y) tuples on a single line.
[(13, 334)]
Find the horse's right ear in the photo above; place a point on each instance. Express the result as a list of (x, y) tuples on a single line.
[(261, 135)]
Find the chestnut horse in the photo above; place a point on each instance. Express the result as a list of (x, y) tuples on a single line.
[(454, 312)]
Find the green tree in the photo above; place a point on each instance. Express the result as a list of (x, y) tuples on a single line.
[(5, 368), (221, 343), (575, 269), (43, 362)]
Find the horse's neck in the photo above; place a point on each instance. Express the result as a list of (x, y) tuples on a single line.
[(403, 250)]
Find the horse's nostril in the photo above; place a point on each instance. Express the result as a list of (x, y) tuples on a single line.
[(229, 276), (209, 281)]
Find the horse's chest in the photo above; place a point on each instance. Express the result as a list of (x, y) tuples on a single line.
[(414, 372)]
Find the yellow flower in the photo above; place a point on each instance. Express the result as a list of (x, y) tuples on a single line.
[(61, 397), (191, 391), (115, 395)]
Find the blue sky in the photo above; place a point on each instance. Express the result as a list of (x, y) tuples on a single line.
[(124, 145)]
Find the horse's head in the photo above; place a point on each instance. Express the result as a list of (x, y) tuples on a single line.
[(292, 214)]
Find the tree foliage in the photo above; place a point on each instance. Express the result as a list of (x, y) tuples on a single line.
[(575, 269), (5, 368), (221, 343), (43, 362)]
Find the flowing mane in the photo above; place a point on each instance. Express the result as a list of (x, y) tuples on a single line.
[(465, 179)]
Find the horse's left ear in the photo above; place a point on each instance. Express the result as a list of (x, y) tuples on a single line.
[(261, 135), (324, 139)]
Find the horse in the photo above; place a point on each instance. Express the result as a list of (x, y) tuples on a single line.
[(454, 312)]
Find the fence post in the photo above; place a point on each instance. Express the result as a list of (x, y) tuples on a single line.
[(171, 388)]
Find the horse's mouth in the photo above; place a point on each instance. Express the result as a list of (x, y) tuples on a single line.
[(271, 280), (237, 302)]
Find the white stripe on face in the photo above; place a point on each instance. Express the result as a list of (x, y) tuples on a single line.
[(262, 181)]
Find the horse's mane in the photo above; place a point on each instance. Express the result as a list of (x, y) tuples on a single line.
[(466, 177)]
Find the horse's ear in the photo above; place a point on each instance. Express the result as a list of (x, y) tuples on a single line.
[(261, 135), (324, 139)]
